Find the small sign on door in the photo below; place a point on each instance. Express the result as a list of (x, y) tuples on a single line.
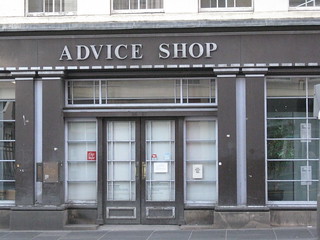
[(197, 171), (91, 155)]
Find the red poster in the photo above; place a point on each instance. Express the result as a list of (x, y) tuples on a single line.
[(91, 155)]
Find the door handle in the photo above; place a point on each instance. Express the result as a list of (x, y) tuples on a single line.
[(144, 170)]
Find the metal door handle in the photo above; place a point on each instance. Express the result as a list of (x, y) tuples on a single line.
[(144, 170)]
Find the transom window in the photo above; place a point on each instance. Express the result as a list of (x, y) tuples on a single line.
[(225, 4), (136, 5), (292, 140), (304, 3), (52, 6), (141, 91)]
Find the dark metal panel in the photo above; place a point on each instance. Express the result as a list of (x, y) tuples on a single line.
[(280, 48), (25, 142), (53, 137), (255, 141), (227, 152)]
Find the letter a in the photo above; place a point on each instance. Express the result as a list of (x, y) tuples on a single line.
[(65, 54)]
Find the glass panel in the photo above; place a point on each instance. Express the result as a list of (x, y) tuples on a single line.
[(315, 170), (201, 168), (286, 107), (286, 87), (285, 170), (82, 171), (7, 151), (35, 6), (121, 161), (286, 149), (201, 130), (287, 128), (7, 110), (244, 3), (287, 191), (230, 3), (7, 90), (70, 6), (48, 5), (82, 131), (201, 192), (84, 92), (7, 191), (121, 191), (199, 91), (79, 151), (82, 166), (205, 4), (82, 191), (160, 191), (313, 191), (221, 3), (141, 91), (160, 156)]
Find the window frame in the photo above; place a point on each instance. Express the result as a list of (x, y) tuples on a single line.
[(66, 183), (187, 202), (115, 105), (44, 13), (309, 160), (226, 9), (304, 8), (136, 11)]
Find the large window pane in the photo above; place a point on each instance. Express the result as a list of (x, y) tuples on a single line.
[(200, 162), (304, 3), (137, 4), (142, 91), (82, 158), (292, 139)]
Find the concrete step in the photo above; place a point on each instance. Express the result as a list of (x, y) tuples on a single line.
[(75, 227)]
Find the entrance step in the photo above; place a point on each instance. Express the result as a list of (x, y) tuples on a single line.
[(139, 227), (75, 227)]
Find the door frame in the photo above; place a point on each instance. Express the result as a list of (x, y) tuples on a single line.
[(141, 204)]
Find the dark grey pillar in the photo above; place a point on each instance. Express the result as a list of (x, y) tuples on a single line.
[(227, 140), (24, 137), (255, 133), (53, 152)]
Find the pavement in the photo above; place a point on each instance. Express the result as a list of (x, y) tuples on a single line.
[(140, 232)]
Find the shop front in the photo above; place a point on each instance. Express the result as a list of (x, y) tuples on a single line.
[(159, 128)]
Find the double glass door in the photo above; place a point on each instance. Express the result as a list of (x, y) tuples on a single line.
[(141, 171)]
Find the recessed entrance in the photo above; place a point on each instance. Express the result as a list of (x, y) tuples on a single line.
[(142, 168)]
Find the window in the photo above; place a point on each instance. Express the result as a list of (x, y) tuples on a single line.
[(200, 162), (7, 141), (304, 3), (225, 4), (136, 5), (52, 6), (292, 140), (81, 161), (141, 91)]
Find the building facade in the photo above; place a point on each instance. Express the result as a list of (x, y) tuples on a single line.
[(158, 112)]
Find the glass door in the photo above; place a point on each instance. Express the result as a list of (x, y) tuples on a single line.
[(141, 171), (159, 172), (122, 172)]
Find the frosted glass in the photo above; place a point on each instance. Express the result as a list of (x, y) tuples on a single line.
[(79, 151), (125, 131), (121, 151), (163, 150), (84, 171), (197, 191), (201, 130), (121, 171), (160, 191), (82, 131), (160, 130), (82, 191), (201, 151)]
